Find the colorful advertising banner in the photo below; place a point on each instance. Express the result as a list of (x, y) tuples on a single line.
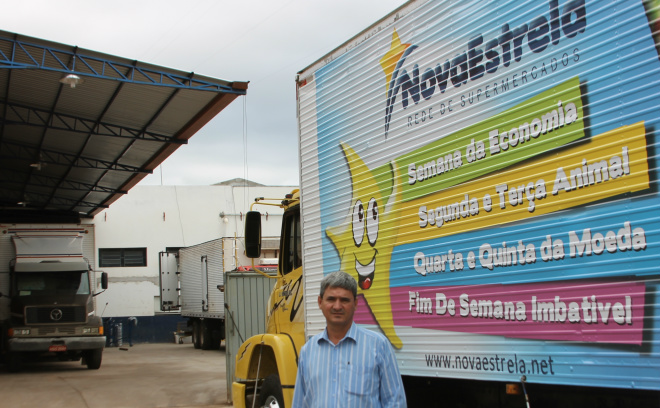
[(496, 184)]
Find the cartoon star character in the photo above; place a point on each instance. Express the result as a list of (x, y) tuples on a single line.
[(366, 239)]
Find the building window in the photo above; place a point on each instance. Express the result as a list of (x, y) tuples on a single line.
[(117, 257)]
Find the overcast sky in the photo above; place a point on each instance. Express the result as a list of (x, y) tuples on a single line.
[(265, 42)]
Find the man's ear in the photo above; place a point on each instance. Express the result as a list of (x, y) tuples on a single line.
[(320, 300)]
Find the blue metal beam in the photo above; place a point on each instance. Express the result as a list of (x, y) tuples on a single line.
[(9, 177), (26, 55), (13, 150), (24, 115), (71, 202)]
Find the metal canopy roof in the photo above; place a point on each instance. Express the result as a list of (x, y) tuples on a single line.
[(73, 149)]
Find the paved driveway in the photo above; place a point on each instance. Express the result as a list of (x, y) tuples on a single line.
[(142, 376)]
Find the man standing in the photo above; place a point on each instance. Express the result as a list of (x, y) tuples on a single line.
[(132, 322), (346, 365)]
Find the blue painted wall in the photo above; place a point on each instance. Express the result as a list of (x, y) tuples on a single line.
[(149, 329)]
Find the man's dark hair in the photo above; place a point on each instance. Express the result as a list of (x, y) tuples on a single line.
[(339, 279)]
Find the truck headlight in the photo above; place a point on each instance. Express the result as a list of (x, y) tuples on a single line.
[(19, 332), (90, 330)]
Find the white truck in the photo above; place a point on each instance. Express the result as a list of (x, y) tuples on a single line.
[(47, 289), (488, 172), (192, 281)]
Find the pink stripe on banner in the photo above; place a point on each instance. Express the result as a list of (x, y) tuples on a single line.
[(595, 312), (363, 314)]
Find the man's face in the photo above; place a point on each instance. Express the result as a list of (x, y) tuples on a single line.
[(338, 306)]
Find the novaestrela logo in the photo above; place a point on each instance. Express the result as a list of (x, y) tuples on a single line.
[(479, 57)]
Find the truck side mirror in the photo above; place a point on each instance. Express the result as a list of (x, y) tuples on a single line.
[(253, 234), (104, 280)]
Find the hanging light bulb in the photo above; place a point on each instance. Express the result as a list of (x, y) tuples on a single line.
[(72, 80)]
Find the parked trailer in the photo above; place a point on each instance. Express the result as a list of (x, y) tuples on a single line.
[(488, 173), (47, 289), (192, 281)]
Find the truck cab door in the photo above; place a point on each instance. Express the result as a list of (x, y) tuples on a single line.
[(286, 300)]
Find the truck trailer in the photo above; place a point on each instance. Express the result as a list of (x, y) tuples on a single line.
[(47, 289), (488, 173), (192, 282)]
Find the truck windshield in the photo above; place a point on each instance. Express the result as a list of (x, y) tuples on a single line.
[(61, 283)]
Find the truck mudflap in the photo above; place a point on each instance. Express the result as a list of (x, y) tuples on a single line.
[(261, 356), (238, 394), (56, 344)]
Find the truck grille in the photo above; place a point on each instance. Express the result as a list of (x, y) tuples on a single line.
[(52, 331), (55, 314)]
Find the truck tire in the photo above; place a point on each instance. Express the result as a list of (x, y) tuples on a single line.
[(218, 335), (206, 335), (14, 361), (271, 395), (196, 334), (93, 358)]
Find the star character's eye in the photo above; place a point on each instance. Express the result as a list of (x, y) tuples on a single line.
[(372, 221), (358, 223)]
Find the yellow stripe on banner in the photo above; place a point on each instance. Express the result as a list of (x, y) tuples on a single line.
[(608, 165)]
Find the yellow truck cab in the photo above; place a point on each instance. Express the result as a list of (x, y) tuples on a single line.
[(266, 364)]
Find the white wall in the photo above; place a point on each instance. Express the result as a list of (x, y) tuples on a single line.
[(157, 217)]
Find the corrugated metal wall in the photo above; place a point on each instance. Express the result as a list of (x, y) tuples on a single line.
[(488, 172), (247, 296)]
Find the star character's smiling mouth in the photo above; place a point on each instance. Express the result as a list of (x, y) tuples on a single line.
[(366, 272)]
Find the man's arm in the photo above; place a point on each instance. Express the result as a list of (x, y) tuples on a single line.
[(392, 394), (300, 390)]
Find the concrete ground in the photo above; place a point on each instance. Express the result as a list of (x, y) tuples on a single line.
[(142, 376)]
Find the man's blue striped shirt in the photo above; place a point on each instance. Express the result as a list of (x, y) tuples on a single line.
[(359, 372)]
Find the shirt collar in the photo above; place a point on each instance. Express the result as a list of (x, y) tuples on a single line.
[(350, 334)]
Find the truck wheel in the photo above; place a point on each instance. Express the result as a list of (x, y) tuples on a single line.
[(270, 395), (206, 335), (218, 336), (196, 334), (93, 358), (14, 362)]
